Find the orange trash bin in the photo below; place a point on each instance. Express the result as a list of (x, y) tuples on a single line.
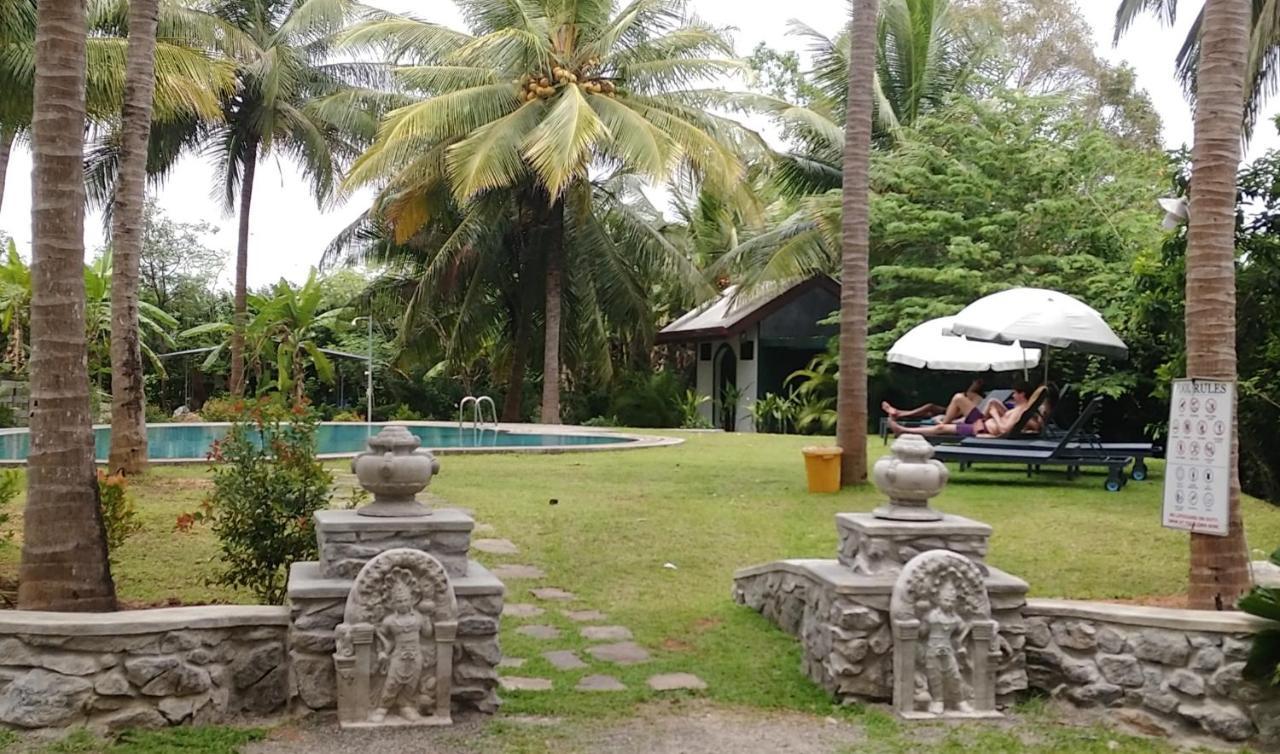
[(822, 467)]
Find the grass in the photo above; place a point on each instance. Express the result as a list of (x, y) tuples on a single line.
[(707, 507)]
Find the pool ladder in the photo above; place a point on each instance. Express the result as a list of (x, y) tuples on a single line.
[(477, 412)]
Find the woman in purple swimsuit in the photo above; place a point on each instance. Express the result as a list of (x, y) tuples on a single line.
[(995, 420)]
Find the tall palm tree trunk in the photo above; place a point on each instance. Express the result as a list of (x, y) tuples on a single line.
[(64, 549), (515, 376), (851, 391), (128, 421), (1219, 565), (551, 344), (240, 318), (7, 135)]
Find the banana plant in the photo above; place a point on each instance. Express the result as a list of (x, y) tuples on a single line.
[(153, 322), (285, 331), (1263, 665), (15, 306)]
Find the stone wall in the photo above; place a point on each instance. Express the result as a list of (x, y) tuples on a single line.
[(842, 622), (1164, 671), (317, 604), (142, 668)]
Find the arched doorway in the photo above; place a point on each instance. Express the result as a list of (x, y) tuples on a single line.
[(725, 379)]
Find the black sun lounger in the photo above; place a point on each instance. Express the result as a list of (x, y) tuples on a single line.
[(1079, 444), (1034, 458)]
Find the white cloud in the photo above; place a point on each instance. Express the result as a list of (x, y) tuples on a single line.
[(288, 231)]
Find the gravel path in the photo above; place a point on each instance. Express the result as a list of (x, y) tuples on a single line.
[(697, 728)]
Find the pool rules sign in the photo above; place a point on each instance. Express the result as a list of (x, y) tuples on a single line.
[(1198, 457)]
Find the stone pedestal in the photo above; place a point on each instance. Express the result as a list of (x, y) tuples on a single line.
[(318, 595), (318, 591), (840, 609), (873, 545)]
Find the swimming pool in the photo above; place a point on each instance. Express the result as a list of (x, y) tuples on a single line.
[(190, 442)]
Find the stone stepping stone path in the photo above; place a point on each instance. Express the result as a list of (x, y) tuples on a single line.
[(518, 683), (622, 653), (620, 648), (539, 632), (600, 683), (522, 610), (496, 546), (483, 529), (564, 659), (515, 571), (676, 682), (606, 633)]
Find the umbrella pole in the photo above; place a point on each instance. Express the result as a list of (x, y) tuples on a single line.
[(1046, 366)]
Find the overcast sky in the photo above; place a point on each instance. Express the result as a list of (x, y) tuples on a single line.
[(289, 232)]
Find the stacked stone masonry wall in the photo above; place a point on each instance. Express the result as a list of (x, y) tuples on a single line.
[(1167, 672), (847, 638), (145, 668)]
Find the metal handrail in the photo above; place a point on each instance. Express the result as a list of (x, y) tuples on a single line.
[(477, 412)]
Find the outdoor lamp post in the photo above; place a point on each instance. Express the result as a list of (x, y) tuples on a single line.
[(368, 371)]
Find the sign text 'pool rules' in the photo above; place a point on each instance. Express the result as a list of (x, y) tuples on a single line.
[(1197, 474)]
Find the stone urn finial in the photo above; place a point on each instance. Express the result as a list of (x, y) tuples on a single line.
[(394, 469), (909, 476)]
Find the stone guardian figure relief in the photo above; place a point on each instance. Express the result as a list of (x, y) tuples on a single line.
[(394, 648), (944, 659)]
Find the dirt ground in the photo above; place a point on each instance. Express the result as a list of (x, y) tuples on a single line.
[(691, 728)]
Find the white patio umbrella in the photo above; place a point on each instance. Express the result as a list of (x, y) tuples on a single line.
[(1035, 316), (931, 345)]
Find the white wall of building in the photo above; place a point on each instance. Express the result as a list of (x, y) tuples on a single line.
[(706, 383), (747, 382)]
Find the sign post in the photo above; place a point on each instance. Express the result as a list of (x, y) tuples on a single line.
[(1197, 479)]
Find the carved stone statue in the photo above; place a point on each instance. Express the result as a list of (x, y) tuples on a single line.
[(944, 659), (394, 648)]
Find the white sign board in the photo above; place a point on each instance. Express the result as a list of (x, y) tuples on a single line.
[(1197, 474)]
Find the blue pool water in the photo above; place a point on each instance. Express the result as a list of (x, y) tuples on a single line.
[(192, 441)]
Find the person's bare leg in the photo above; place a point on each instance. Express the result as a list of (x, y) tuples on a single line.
[(928, 430), (959, 407), (928, 409)]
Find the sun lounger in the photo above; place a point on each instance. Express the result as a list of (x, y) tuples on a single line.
[(1034, 458), (1079, 443)]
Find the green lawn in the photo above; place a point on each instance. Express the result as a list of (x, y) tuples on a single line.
[(709, 506)]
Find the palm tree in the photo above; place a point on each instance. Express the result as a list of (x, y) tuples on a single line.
[(1219, 565), (128, 452), (64, 549), (851, 394), (1262, 51), (188, 82), (542, 90), (289, 97)]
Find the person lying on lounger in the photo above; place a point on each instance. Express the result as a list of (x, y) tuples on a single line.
[(960, 405), (995, 420)]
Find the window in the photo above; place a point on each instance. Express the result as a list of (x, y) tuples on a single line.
[(748, 350), (704, 352)]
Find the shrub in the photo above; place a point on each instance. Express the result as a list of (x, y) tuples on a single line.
[(267, 484), (10, 488), (690, 415), (649, 400), (228, 409), (403, 413), (1264, 659), (119, 517), (348, 416), (156, 414), (601, 421)]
